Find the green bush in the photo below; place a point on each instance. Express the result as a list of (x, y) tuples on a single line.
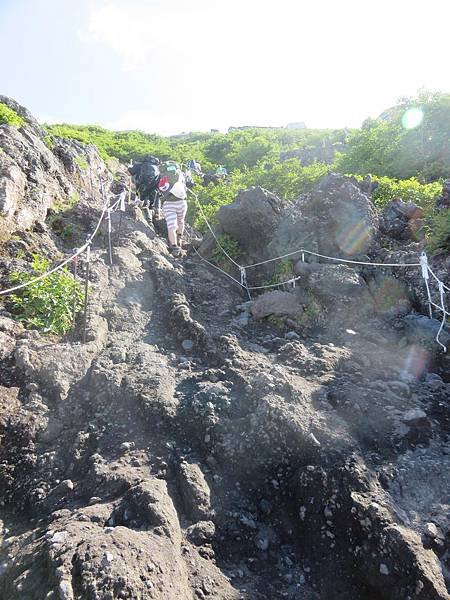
[(283, 271), (409, 190), (81, 162), (287, 179), (231, 246), (438, 232), (384, 146), (10, 117), (47, 304)]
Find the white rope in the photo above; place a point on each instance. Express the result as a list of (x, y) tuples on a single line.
[(217, 268), (85, 246), (423, 263), (36, 279), (426, 276), (300, 250), (212, 232), (438, 280), (343, 260), (445, 313), (271, 285)]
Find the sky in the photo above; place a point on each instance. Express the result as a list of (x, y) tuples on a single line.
[(167, 66)]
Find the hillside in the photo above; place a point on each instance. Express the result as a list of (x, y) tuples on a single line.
[(279, 431)]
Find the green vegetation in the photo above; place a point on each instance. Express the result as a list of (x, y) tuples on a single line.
[(46, 304), (387, 147), (57, 221), (283, 272), (49, 141), (61, 205), (409, 190), (231, 247), (9, 116), (81, 162), (438, 232), (407, 158), (311, 313)]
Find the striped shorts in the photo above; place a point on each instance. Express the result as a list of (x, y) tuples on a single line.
[(174, 213)]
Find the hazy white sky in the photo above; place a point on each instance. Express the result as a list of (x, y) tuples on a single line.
[(182, 65)]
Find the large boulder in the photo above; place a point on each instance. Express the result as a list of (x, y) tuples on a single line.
[(276, 303), (335, 219), (36, 172), (401, 220), (252, 219), (335, 283)]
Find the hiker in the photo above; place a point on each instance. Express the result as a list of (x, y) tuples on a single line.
[(221, 172), (172, 186), (146, 176), (195, 167)]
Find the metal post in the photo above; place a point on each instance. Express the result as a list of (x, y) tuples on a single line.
[(109, 237), (74, 299), (86, 289)]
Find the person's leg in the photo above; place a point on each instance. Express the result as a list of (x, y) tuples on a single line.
[(157, 205), (181, 216), (170, 215)]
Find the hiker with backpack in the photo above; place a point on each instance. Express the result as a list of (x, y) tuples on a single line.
[(146, 176), (172, 186)]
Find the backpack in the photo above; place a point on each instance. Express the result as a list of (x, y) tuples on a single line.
[(148, 176), (188, 179), (170, 174)]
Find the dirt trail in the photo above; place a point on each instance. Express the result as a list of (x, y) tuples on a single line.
[(182, 454)]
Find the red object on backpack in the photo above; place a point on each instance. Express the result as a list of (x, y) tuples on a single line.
[(164, 184)]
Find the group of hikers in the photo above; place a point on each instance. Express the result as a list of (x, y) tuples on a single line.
[(162, 187)]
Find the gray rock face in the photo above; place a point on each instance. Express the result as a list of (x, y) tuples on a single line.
[(33, 177), (251, 219), (336, 219)]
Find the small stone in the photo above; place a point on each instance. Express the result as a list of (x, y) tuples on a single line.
[(292, 335), (413, 416), (59, 537), (262, 543), (188, 345), (94, 500), (126, 446), (64, 487), (431, 530), (65, 591), (384, 569)]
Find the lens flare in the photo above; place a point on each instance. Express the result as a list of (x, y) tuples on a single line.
[(353, 237), (415, 363), (412, 118)]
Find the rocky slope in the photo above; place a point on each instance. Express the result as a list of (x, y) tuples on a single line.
[(202, 446)]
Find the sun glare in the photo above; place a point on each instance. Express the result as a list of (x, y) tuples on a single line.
[(412, 118)]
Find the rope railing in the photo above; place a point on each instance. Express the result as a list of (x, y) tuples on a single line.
[(422, 263), (107, 209)]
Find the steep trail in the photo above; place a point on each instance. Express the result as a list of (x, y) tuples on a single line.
[(182, 454)]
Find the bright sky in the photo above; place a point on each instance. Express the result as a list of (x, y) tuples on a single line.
[(168, 66)]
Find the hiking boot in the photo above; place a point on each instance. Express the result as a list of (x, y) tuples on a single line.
[(149, 214), (179, 240), (175, 251)]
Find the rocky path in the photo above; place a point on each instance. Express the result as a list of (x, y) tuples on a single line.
[(187, 453)]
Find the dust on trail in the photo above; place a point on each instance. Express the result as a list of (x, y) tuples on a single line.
[(183, 454)]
